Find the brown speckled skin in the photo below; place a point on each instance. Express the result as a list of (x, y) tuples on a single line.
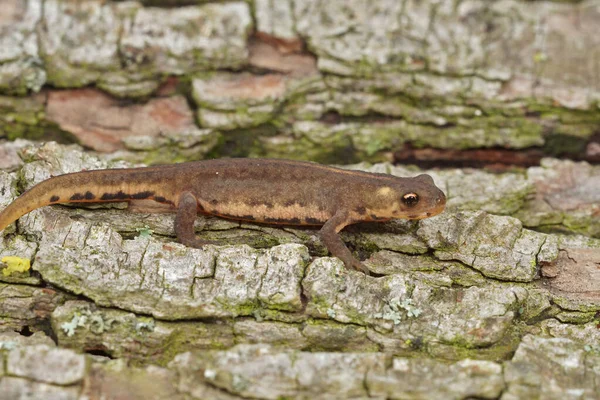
[(261, 190)]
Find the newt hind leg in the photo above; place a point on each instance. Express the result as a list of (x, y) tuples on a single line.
[(187, 211)]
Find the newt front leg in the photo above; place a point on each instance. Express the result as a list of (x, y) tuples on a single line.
[(330, 236)]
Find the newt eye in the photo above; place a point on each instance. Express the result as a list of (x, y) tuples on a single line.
[(410, 199)]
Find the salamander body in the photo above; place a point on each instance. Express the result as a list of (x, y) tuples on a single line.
[(266, 191)]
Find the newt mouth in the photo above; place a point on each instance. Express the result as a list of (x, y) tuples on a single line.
[(437, 210)]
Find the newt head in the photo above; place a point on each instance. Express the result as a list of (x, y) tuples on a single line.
[(410, 198)]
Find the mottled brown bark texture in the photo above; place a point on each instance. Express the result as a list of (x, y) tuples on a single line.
[(331, 81)]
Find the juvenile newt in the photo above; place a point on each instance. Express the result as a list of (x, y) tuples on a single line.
[(265, 191)]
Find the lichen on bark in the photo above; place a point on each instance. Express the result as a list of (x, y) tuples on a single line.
[(495, 298)]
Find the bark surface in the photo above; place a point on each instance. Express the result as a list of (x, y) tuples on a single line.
[(498, 297)]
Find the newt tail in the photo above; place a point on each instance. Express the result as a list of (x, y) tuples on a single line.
[(97, 186)]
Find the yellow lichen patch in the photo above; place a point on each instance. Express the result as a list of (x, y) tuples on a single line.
[(15, 264)]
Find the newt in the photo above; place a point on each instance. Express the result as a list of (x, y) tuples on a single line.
[(268, 191)]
